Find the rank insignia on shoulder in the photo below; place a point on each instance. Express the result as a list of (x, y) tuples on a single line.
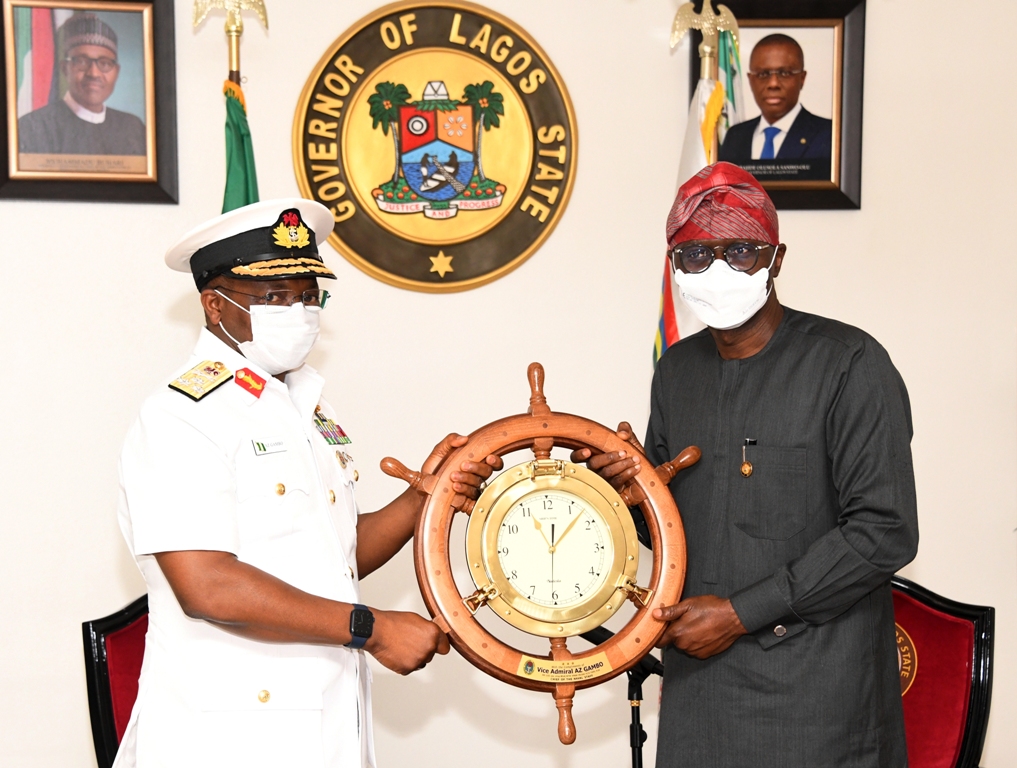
[(201, 379), (250, 381), (331, 431)]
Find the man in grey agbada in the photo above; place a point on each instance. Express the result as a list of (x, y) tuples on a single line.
[(782, 651)]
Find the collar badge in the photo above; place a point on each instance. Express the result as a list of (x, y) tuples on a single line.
[(249, 381)]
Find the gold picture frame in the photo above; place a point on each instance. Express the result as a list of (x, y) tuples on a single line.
[(831, 105)]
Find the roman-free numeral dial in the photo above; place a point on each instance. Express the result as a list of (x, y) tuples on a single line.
[(552, 548), (555, 549)]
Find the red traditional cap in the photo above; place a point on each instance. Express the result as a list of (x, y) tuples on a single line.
[(722, 201)]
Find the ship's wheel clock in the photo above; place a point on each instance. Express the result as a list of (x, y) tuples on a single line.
[(552, 550)]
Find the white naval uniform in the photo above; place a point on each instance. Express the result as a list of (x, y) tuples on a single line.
[(193, 478)]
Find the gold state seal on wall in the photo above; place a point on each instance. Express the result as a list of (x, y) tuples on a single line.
[(443, 141)]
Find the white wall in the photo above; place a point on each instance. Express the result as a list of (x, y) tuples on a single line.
[(92, 321)]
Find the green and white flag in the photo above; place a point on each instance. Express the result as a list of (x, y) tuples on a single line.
[(241, 177), (729, 72), (37, 73)]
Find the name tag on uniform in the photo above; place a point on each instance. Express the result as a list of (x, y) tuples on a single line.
[(264, 447)]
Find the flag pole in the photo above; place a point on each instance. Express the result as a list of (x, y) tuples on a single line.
[(711, 24), (700, 145), (241, 175), (234, 25), (234, 30)]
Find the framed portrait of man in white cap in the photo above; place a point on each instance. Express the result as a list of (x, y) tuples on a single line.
[(81, 91)]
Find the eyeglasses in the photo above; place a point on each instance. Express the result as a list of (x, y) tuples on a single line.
[(697, 258), (782, 74), (313, 298), (84, 63)]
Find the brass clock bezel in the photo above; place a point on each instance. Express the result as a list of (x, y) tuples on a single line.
[(504, 599)]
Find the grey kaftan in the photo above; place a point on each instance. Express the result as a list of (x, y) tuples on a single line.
[(804, 547)]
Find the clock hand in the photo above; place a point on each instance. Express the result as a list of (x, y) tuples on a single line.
[(540, 530), (552, 562), (571, 526)]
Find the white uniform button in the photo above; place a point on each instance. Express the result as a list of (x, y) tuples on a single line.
[(280, 489), (780, 630), (264, 696), (331, 496)]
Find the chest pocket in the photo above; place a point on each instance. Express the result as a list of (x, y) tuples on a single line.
[(772, 502), (272, 490)]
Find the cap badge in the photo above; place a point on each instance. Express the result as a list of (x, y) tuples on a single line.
[(291, 232), (249, 381)]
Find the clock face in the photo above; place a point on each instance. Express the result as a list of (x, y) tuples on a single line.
[(555, 549), (552, 549)]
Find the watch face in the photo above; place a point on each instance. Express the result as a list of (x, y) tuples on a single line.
[(361, 623), (555, 549)]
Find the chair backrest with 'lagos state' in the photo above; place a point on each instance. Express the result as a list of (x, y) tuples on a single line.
[(944, 651)]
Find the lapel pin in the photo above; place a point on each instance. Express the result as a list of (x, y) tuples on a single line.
[(746, 464)]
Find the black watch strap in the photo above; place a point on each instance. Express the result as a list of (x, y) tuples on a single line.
[(361, 626)]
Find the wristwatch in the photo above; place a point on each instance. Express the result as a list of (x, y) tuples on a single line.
[(361, 626)]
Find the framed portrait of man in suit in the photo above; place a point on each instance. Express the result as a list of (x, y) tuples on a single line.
[(81, 80), (793, 117), (790, 105)]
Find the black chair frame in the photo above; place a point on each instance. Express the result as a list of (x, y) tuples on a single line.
[(984, 619), (100, 700)]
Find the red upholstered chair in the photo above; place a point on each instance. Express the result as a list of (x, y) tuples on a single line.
[(944, 649), (114, 648)]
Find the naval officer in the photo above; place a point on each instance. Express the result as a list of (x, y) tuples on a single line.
[(238, 503)]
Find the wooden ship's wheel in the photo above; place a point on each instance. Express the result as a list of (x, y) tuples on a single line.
[(552, 549)]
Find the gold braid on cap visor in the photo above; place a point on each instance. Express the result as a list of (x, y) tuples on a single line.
[(276, 267)]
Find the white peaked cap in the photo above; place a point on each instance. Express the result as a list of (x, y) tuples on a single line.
[(270, 240)]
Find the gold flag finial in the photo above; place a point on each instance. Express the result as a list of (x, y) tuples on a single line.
[(711, 25), (234, 23), (233, 9)]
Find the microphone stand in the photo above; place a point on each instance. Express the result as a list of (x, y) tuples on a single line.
[(648, 665)]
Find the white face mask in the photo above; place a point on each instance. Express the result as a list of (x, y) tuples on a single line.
[(282, 336), (721, 297)]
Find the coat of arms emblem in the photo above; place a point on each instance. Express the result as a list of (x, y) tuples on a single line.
[(443, 141), (439, 169)]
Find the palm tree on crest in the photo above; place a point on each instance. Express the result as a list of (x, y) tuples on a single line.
[(385, 103), (487, 104)]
